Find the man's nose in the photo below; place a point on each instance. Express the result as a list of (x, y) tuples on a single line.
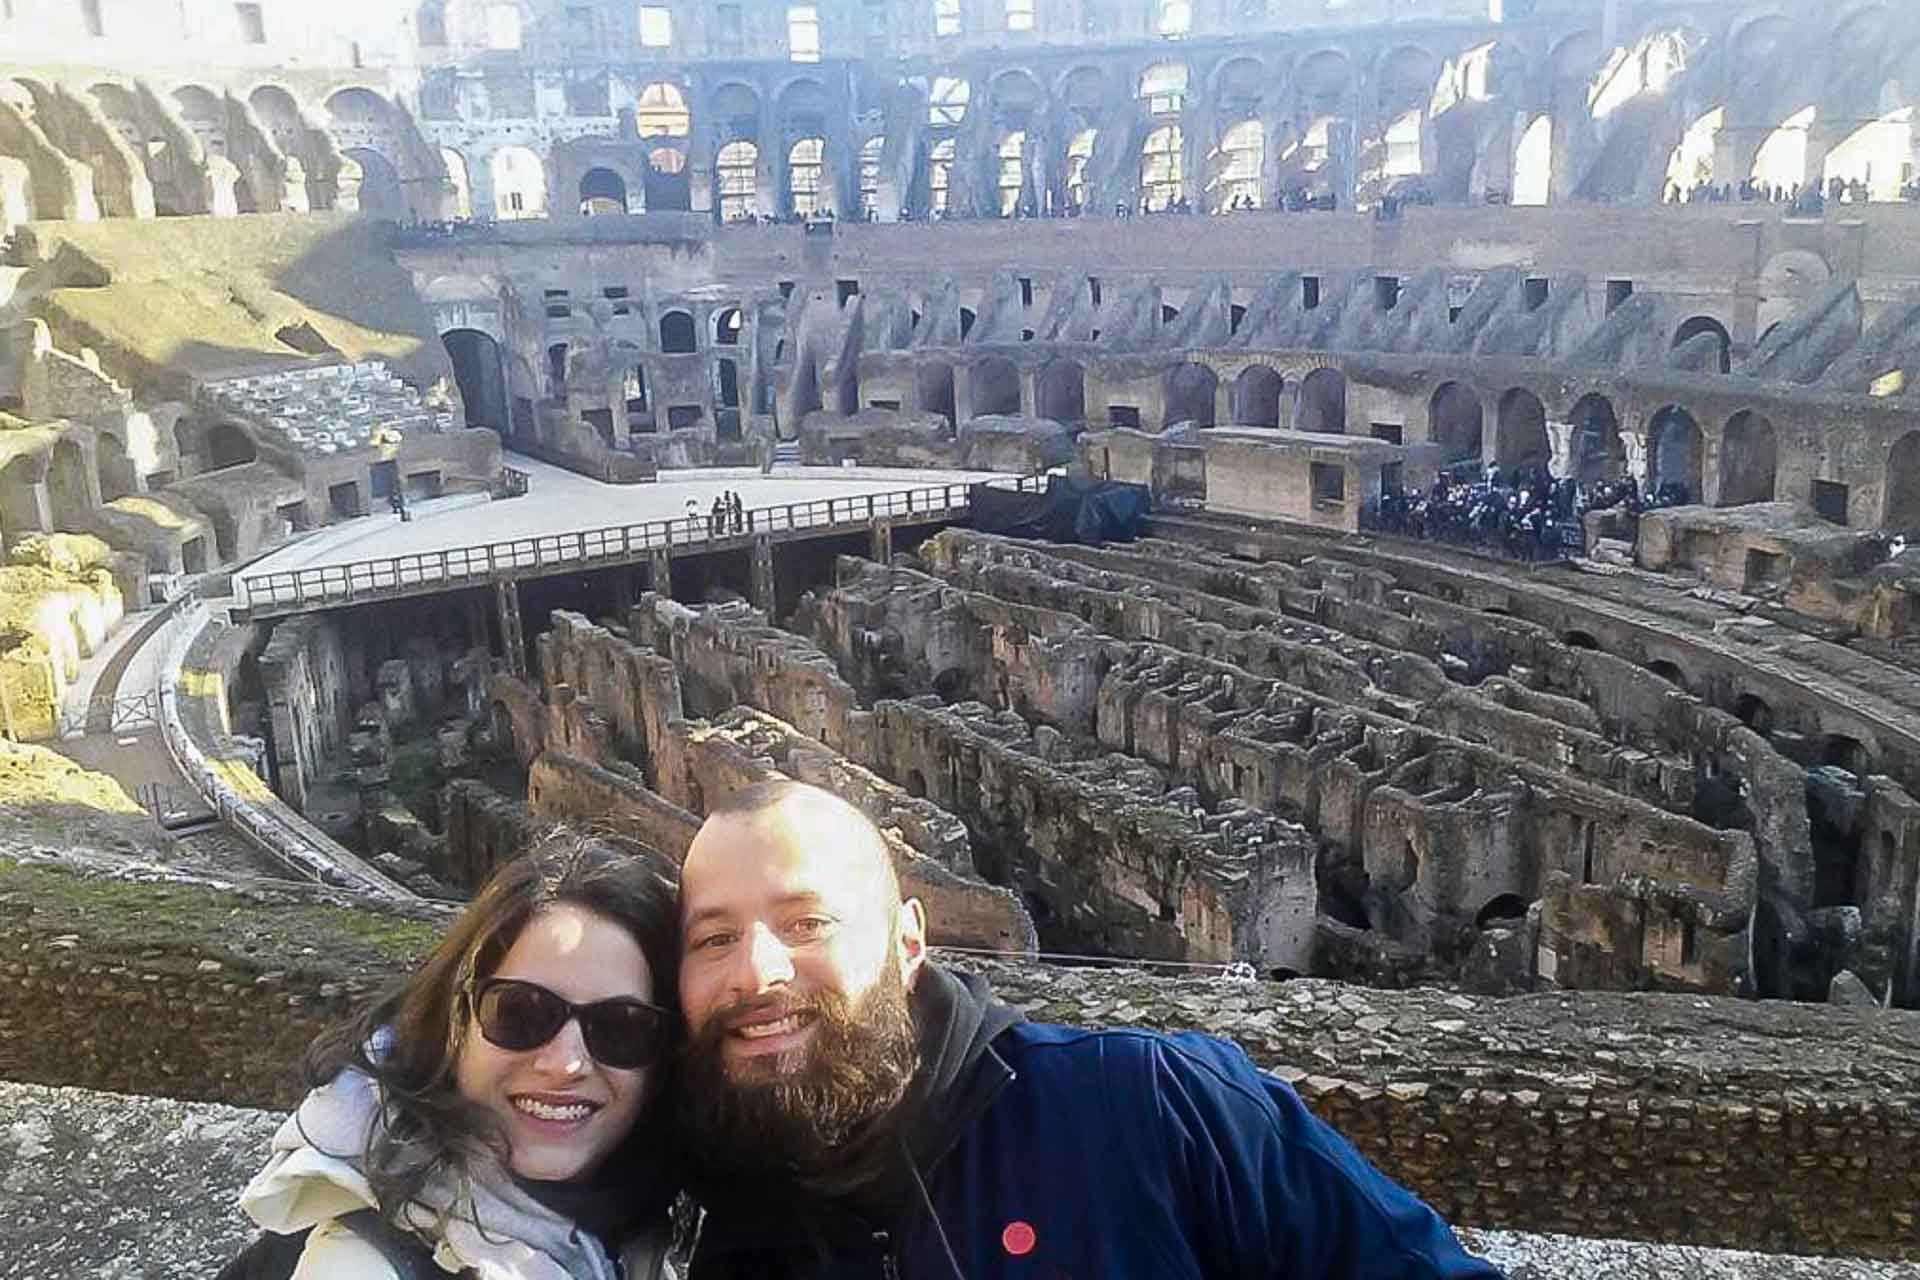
[(768, 963)]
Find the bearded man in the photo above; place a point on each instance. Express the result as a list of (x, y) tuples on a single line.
[(851, 1110)]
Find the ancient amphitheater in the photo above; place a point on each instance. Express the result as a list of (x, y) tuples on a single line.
[(371, 381)]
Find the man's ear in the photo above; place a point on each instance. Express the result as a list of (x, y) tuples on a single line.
[(910, 947)]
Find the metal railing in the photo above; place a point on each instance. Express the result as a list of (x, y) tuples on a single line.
[(423, 572)]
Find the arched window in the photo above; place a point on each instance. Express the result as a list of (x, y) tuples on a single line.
[(503, 26), (519, 184), (939, 172), (1163, 87), (662, 112), (1020, 15), (1012, 172), (1782, 158), (1079, 155), (946, 17), (737, 171), (1403, 147), (947, 104), (677, 334), (1533, 163), (870, 176), (1176, 18), (1237, 165), (804, 167), (1160, 176)]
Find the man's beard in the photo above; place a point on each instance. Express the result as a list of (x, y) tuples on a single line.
[(813, 1119)]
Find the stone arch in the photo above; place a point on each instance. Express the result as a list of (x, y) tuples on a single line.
[(519, 183), (1256, 396), (1674, 451), (1322, 406), (70, 490), (205, 113), (660, 111), (1062, 392), (933, 389), (462, 181), (1695, 326), (1502, 908), (1188, 394), (1533, 163), (677, 333), (807, 188), (481, 377), (736, 176), (279, 114), (1520, 438), (380, 192), (1902, 511), (1598, 454), (114, 469), (995, 385), (668, 185), (1749, 458), (1456, 420), (602, 191), (228, 445)]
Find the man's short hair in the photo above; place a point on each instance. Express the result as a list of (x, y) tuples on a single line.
[(770, 793)]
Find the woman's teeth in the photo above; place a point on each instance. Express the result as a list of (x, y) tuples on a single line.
[(548, 1111)]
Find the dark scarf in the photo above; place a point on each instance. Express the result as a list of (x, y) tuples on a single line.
[(628, 1195)]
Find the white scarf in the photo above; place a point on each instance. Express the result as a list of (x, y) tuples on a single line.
[(498, 1231)]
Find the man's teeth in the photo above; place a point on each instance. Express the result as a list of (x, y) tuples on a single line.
[(547, 1111), (760, 1030)]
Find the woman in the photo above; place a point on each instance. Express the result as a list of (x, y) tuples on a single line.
[(496, 1108)]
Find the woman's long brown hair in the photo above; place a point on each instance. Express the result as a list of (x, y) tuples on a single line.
[(408, 1040)]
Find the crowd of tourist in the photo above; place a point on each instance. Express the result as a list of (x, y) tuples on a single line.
[(1803, 198), (1523, 513)]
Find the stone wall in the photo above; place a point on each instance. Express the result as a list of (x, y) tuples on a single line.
[(612, 740), (1658, 1117), (310, 702)]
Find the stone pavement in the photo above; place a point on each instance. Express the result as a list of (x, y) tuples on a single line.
[(562, 501), (127, 1188)]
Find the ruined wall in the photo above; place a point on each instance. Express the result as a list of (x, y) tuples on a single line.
[(615, 744), (1661, 1117), (310, 703)]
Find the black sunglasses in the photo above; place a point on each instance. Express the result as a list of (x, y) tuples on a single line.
[(625, 1032)]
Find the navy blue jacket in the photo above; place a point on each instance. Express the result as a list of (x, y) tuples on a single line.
[(1107, 1155)]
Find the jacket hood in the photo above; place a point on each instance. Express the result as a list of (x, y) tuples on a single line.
[(497, 1230), (958, 1018)]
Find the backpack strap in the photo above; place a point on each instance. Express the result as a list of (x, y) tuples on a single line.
[(409, 1255)]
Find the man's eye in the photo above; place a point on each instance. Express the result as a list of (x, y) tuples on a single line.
[(809, 926), (711, 941)]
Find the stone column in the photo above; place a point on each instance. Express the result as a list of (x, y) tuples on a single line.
[(1560, 438), (760, 574), (660, 572), (1633, 442), (513, 636), (882, 550), (1223, 403)]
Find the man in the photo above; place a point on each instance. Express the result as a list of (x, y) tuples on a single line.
[(851, 1110)]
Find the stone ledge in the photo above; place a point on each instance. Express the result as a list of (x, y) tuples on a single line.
[(156, 1181)]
